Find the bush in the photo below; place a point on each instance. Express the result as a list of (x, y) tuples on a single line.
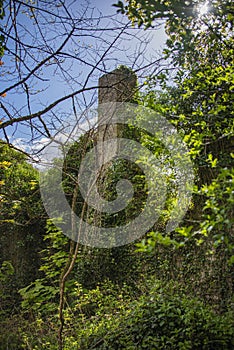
[(167, 320), (111, 318)]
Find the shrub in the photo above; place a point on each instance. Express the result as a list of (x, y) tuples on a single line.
[(167, 320)]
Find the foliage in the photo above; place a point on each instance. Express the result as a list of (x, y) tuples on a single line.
[(200, 250), (162, 316), (87, 313), (218, 210), (6, 271), (21, 222), (175, 291), (21, 215), (19, 196), (19, 188), (146, 12), (116, 264), (42, 294), (197, 98), (200, 104), (9, 336), (170, 321)]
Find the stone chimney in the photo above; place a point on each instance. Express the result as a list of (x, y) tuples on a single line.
[(117, 86), (114, 87)]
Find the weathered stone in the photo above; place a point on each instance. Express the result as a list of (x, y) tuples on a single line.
[(117, 86), (114, 87)]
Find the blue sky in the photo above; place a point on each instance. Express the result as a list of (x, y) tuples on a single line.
[(53, 86)]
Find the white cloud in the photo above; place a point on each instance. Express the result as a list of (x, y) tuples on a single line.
[(45, 150)]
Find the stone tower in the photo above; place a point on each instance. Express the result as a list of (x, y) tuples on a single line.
[(117, 86), (114, 87)]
